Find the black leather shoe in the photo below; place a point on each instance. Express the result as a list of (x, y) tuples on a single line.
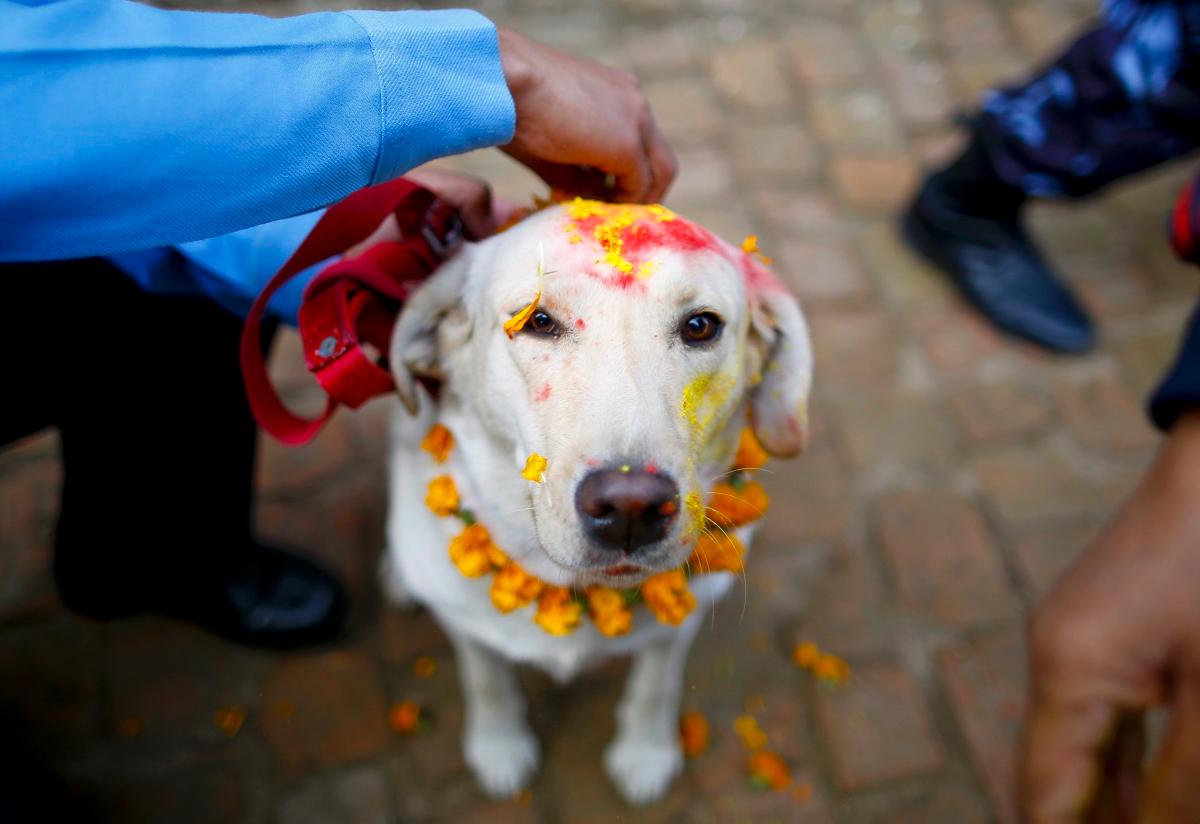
[(271, 599), (276, 600), (996, 265)]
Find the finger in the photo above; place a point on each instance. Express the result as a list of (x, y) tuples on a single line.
[(1060, 768), (1116, 799), (1172, 788), (663, 164), (634, 178), (477, 215), (572, 180)]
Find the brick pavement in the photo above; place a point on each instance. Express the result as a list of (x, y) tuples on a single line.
[(952, 476)]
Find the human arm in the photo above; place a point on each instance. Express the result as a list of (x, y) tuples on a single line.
[(1120, 633), (133, 127)]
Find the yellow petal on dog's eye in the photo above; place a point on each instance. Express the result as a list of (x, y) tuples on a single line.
[(518, 321), (535, 468)]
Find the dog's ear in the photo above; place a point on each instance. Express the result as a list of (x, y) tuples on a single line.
[(779, 337), (434, 310)]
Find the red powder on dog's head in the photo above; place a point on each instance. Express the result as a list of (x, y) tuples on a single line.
[(543, 393)]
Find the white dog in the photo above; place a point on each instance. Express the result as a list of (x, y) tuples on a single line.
[(647, 345)]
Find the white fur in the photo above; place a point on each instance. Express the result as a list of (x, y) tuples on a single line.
[(617, 383)]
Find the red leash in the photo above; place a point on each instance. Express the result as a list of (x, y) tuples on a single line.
[(351, 301)]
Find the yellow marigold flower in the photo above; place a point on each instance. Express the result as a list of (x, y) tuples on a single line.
[(806, 655), (769, 770), (405, 717), (747, 729), (750, 454), (558, 613), (608, 611), (513, 588), (442, 497), (832, 669), (668, 597), (438, 442), (730, 507), (535, 468), (717, 552), (693, 734), (471, 551), (750, 244)]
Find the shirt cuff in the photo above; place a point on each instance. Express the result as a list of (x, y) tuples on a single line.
[(453, 53), (1180, 390)]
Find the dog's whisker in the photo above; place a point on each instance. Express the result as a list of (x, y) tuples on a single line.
[(737, 498)]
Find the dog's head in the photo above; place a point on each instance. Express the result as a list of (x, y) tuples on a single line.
[(652, 344)]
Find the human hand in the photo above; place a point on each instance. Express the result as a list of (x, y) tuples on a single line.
[(578, 122), (1120, 633), (481, 212)]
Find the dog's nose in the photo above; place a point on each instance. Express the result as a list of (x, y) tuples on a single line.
[(625, 508)]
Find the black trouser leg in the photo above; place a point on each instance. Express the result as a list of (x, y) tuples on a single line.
[(158, 441)]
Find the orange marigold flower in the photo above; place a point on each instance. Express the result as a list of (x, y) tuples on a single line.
[(769, 770), (424, 667), (230, 720), (513, 588), (717, 552), (442, 497), (471, 551), (730, 506), (535, 468), (609, 611), (693, 734), (558, 613), (752, 735), (405, 717), (806, 655), (832, 669), (750, 454), (668, 597), (438, 442)]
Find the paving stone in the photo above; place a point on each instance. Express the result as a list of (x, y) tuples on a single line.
[(684, 107), (861, 118), (1043, 29), (825, 54), (943, 560), (359, 794), (956, 339), (1034, 483), (706, 175), (788, 213), (986, 684), (853, 345), (1000, 410), (779, 151), (874, 183), (822, 270), (1105, 417), (1044, 553), (750, 73), (324, 710), (194, 795), (877, 727), (899, 428), (972, 28), (921, 88)]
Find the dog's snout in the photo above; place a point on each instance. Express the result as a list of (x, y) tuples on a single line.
[(624, 509)]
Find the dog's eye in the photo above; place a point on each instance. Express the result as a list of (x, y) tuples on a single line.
[(701, 328), (543, 323)]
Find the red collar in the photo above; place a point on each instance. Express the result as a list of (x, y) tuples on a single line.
[(351, 301)]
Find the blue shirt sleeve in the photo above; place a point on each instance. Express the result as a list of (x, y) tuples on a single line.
[(128, 127)]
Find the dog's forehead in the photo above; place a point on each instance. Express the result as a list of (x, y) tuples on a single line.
[(631, 248)]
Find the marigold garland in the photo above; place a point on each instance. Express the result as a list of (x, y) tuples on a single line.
[(559, 610)]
